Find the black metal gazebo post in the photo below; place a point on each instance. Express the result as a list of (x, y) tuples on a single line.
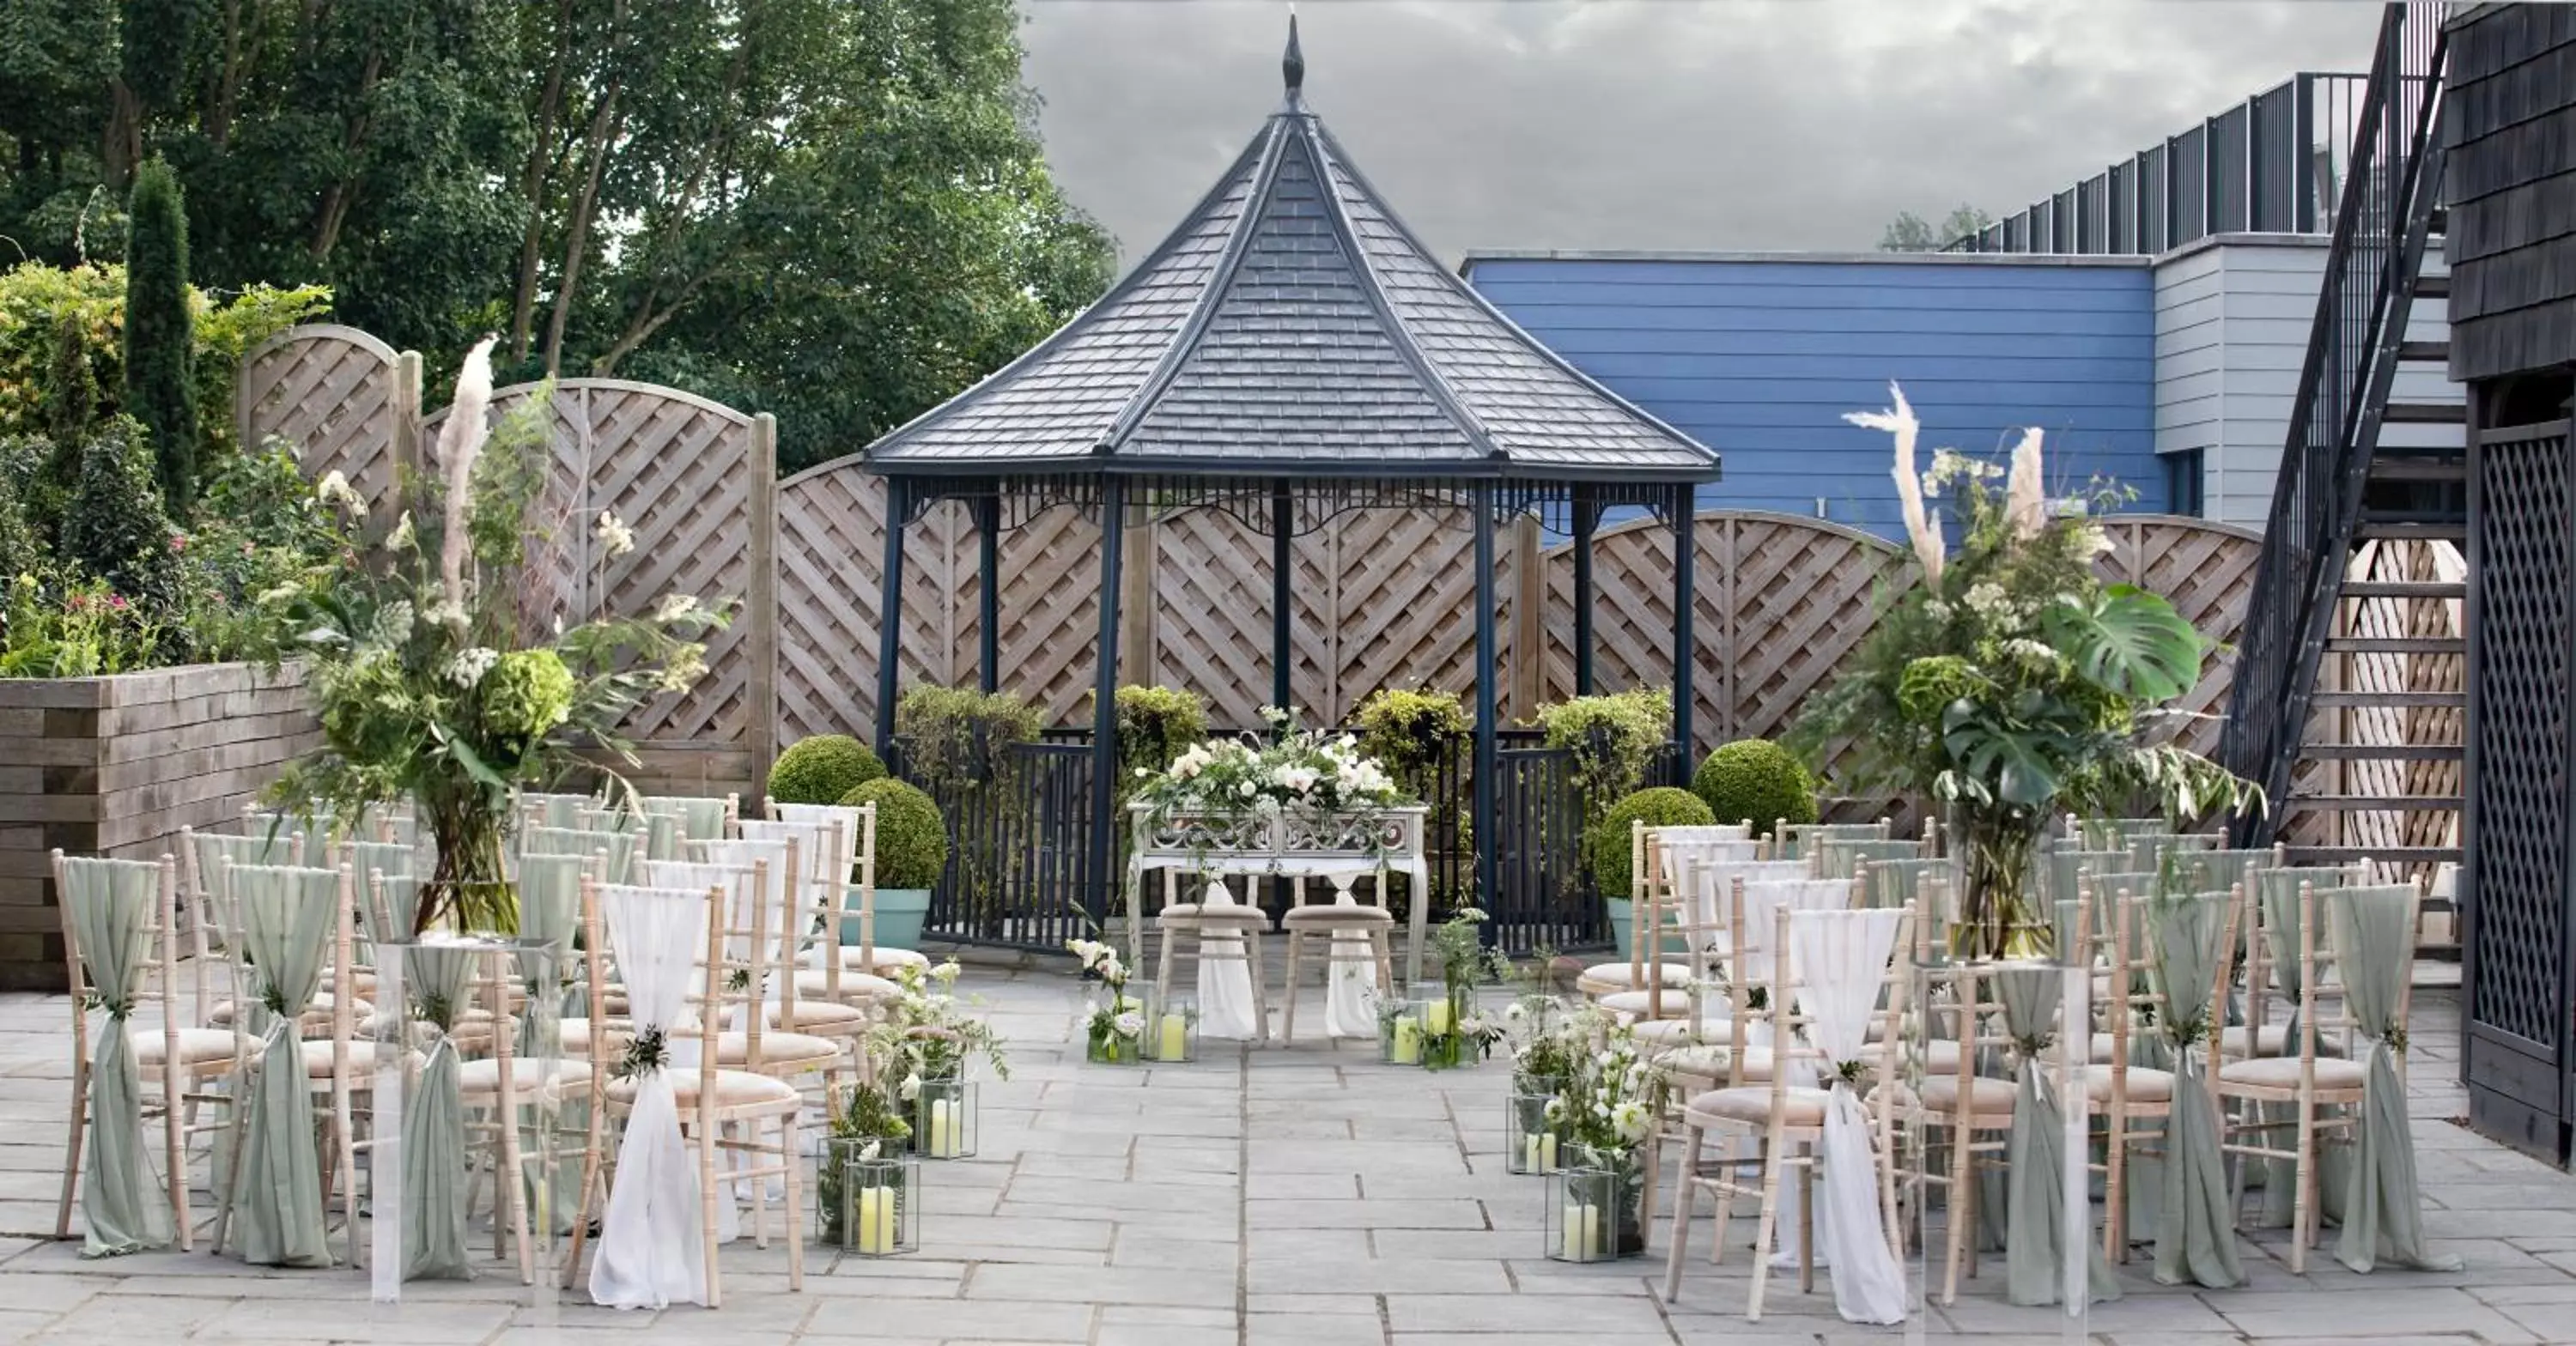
[(988, 607), (1685, 640), (1104, 704), (1487, 817), (890, 613), (1587, 519), (1283, 563)]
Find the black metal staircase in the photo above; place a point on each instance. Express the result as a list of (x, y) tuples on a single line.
[(2347, 700)]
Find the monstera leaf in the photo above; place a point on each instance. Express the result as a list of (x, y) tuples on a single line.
[(2130, 641)]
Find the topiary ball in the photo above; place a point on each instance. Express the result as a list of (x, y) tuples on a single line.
[(1608, 843), (1755, 780), (912, 841), (822, 769)]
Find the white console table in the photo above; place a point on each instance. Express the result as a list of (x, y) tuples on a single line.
[(1339, 847)]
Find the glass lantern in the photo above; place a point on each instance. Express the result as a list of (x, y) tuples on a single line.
[(1529, 1140), (870, 1207), (1399, 1032), (1103, 1042), (1583, 1217), (1172, 1030), (943, 1119)]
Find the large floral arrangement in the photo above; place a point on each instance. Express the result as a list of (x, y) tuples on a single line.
[(1299, 769), (438, 683), (2011, 683)]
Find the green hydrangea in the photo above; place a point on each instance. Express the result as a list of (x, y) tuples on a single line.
[(1931, 683), (527, 693)]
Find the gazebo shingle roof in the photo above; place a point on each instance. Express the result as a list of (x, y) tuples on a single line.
[(1293, 326)]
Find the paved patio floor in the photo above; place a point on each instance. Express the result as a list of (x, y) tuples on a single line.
[(1264, 1197)]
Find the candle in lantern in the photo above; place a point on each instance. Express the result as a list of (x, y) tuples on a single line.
[(1582, 1238), (1438, 1012), (870, 1198), (1408, 1042), (888, 1208), (1547, 1152), (1529, 1155), (1176, 1037), (943, 1129)]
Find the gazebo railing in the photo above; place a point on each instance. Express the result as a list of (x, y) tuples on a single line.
[(1019, 823)]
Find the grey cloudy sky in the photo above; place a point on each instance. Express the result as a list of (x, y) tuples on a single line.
[(1709, 124)]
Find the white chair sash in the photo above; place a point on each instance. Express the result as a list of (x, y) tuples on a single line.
[(651, 1252), (1225, 979), (1841, 960)]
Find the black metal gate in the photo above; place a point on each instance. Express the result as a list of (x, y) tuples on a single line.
[(2520, 944)]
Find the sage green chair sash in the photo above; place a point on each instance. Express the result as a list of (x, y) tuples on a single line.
[(214, 851), (2373, 934), (549, 929), (1799, 840), (555, 810), (2148, 850), (2035, 1171), (700, 818), (2112, 834), (1837, 855), (619, 847), (2060, 870), (2195, 1227), (288, 917), (109, 904), (400, 865), (433, 1126), (2208, 871), (319, 830), (1893, 883)]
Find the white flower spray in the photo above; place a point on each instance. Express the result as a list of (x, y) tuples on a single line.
[(460, 442), (1899, 422)]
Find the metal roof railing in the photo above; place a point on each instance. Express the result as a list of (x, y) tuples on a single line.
[(2274, 163)]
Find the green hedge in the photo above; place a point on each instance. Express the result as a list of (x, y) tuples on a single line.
[(823, 769), (1608, 843), (1755, 780)]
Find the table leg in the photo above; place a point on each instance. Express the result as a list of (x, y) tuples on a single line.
[(1419, 927)]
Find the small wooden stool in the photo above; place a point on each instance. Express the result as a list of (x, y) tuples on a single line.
[(1329, 920), (1236, 929)]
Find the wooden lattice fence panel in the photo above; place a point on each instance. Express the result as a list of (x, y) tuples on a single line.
[(1211, 596), (346, 401), (2206, 570), (831, 583), (1407, 595)]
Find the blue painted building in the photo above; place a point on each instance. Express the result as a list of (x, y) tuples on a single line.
[(1758, 356)]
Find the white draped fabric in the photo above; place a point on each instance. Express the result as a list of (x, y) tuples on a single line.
[(1841, 960), (1714, 882), (1350, 985), (1763, 899), (729, 868), (1225, 977), (650, 1254)]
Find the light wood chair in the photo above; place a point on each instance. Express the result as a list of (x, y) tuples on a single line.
[(1784, 1121), (2124, 1095), (710, 1100), (1329, 921), (1650, 901), (1964, 1113), (179, 1059), (1216, 930)]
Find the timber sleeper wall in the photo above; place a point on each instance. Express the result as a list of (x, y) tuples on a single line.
[(116, 766)]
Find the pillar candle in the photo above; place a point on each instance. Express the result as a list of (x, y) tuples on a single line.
[(869, 1199), (943, 1129), (1547, 1152), (1439, 1016), (1408, 1042), (1582, 1233), (1176, 1037), (1529, 1155), (888, 1208), (1591, 1230)]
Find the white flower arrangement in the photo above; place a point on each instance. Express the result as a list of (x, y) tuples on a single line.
[(614, 537)]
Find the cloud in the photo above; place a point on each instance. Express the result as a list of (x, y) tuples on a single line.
[(1711, 124)]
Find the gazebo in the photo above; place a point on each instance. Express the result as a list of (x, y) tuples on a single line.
[(1289, 352)]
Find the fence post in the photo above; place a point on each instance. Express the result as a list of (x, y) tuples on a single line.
[(404, 407), (760, 640), (1529, 634)]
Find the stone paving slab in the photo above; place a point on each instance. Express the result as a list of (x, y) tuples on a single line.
[(1280, 1196)]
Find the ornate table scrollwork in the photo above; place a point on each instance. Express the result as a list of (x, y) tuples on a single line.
[(1283, 843)]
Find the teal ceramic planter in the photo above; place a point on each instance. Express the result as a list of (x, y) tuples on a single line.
[(1619, 909), (900, 912)]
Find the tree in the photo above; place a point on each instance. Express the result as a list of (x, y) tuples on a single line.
[(160, 338), (1910, 232)]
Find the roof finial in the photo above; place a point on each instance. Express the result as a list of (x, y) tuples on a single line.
[(1293, 65)]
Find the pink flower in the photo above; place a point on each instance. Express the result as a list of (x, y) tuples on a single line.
[(116, 601), (178, 542)]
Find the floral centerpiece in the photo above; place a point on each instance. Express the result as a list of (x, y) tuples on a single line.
[(439, 682), (939, 1034), (1114, 1025), (1300, 771), (2010, 683)]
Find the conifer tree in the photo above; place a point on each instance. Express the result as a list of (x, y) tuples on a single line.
[(159, 340)]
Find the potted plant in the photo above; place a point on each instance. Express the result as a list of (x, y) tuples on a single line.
[(1611, 842), (2009, 684), (912, 851), (823, 770), (1756, 781)]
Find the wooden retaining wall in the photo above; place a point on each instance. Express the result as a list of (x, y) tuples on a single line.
[(116, 766)]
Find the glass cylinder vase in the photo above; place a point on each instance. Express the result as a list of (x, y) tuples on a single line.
[(868, 1205), (1997, 916)]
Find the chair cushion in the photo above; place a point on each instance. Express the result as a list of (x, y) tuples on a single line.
[(221, 1016), (1666, 1004), (1335, 913), (2144, 1084), (1681, 1032), (1709, 1061), (574, 1035), (817, 1016), (857, 985), (776, 1049), (1986, 1097), (886, 960), (1223, 913), (197, 1046), (1605, 977), (527, 1076), (734, 1089), (1752, 1103), (2275, 1040), (2282, 1072), (362, 1061)]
